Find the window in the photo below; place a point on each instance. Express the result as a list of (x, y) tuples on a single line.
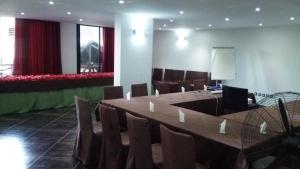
[(89, 49), (7, 44)]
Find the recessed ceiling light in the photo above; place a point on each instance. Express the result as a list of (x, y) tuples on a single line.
[(171, 20), (292, 18), (22, 13), (227, 19), (260, 24), (209, 25), (257, 9), (51, 2), (121, 1), (159, 28), (181, 12), (69, 13), (165, 25), (80, 20)]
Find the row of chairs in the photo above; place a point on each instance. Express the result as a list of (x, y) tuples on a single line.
[(177, 75), (105, 145)]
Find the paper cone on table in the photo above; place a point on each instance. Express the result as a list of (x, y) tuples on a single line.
[(222, 129), (181, 116), (151, 106), (182, 89), (263, 128), (204, 87), (156, 93), (128, 96)]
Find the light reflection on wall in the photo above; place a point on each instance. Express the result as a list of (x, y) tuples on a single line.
[(12, 153)]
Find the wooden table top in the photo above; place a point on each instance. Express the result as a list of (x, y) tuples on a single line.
[(197, 123)]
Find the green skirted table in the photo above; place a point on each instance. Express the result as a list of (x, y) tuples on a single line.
[(31, 100)]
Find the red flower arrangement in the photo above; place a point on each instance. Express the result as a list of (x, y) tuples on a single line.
[(30, 83), (55, 77)]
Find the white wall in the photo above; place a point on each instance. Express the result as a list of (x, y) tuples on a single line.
[(267, 58), (133, 54), (68, 48)]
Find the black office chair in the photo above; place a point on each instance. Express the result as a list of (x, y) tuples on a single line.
[(234, 99), (289, 106)]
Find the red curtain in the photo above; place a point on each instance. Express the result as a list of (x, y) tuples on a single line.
[(37, 47), (108, 49)]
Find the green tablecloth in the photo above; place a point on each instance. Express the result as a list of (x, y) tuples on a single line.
[(29, 101)]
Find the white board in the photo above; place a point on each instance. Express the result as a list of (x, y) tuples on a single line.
[(223, 63)]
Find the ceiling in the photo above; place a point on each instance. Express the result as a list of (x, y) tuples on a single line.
[(197, 13)]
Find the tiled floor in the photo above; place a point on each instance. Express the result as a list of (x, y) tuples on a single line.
[(42, 140)]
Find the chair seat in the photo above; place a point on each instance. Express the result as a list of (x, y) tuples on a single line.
[(263, 162), (157, 154), (98, 131), (125, 138)]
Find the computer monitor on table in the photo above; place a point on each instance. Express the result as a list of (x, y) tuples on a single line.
[(234, 99)]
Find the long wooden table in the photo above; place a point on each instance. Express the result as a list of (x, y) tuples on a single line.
[(197, 123)]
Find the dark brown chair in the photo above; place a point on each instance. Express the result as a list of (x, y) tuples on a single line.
[(88, 140), (116, 92), (115, 145), (195, 75), (199, 84), (139, 90), (184, 84), (142, 154), (178, 75), (168, 76), (163, 88), (157, 74), (178, 150), (113, 92)]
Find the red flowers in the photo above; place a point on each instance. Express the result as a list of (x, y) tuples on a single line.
[(55, 77)]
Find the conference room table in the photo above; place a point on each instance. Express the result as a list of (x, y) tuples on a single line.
[(203, 125)]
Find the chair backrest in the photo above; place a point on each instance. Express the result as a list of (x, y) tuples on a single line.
[(178, 150), (195, 75), (284, 116), (112, 145), (163, 88), (83, 109), (168, 76), (157, 74), (235, 98), (199, 84), (139, 90), (140, 153), (178, 75), (113, 92)]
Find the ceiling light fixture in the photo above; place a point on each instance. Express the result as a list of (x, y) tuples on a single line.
[(292, 18), (257, 9), (121, 1), (227, 19), (197, 28), (181, 12), (69, 13), (171, 20), (22, 13), (209, 25), (260, 24), (159, 28), (51, 2), (80, 20), (165, 25)]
